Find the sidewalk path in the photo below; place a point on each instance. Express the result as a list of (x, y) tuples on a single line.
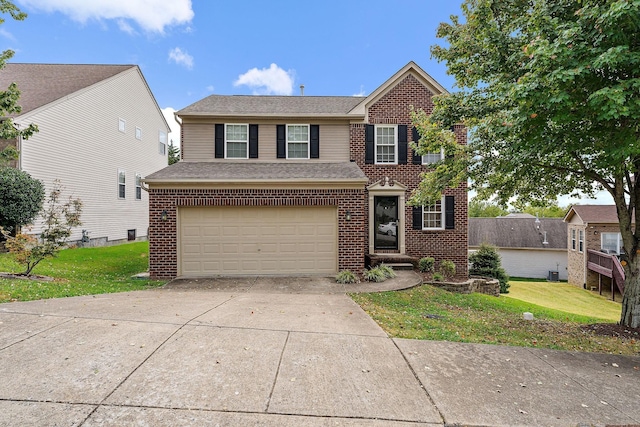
[(281, 352)]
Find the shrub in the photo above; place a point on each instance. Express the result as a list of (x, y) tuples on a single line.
[(387, 270), (447, 269), (437, 277), (375, 275), (486, 262), (426, 264), (21, 198), (346, 276)]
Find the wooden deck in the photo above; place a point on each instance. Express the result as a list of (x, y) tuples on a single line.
[(609, 266)]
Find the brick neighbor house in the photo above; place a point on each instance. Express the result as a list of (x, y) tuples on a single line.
[(306, 185), (594, 240)]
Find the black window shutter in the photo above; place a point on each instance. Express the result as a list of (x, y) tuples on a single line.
[(449, 212), (314, 138), (281, 142), (369, 146), (253, 141), (219, 138), (402, 144), (417, 159), (417, 217)]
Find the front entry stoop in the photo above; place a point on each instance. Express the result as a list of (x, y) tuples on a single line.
[(396, 261)]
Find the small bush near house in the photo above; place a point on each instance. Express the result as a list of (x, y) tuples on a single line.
[(374, 275), (346, 277), (437, 277), (387, 270), (447, 269), (426, 264), (486, 262)]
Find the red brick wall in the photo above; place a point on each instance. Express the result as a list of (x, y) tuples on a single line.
[(394, 108), (163, 258)]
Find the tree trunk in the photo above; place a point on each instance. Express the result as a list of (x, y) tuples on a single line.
[(631, 299)]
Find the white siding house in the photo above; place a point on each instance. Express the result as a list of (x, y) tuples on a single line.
[(100, 132), (528, 247)]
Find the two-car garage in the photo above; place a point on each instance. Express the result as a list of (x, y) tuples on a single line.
[(257, 240)]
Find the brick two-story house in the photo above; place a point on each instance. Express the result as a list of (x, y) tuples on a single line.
[(276, 185)]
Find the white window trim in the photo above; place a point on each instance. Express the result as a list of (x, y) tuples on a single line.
[(138, 185), (573, 239), (431, 163), (581, 241), (124, 184), (442, 218), (286, 130), (138, 133), (227, 140), (162, 135), (122, 125), (395, 144), (619, 238)]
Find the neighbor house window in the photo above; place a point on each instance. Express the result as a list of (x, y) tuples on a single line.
[(611, 243), (138, 133), (581, 241), (433, 216), (433, 157), (297, 141), (237, 141), (573, 239), (162, 142), (122, 125), (122, 184), (138, 187), (386, 139)]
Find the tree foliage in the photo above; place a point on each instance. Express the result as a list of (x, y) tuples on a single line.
[(174, 153), (9, 98), (58, 219), (21, 198), (484, 209), (550, 93)]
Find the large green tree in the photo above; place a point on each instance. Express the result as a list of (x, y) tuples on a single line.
[(550, 93), (9, 98)]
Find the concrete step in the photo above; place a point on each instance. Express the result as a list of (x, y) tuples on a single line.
[(400, 265)]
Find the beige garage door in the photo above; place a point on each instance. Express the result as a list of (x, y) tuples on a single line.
[(257, 240)]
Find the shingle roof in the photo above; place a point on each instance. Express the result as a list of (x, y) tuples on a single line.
[(41, 84), (239, 105), (254, 171), (518, 232), (605, 214)]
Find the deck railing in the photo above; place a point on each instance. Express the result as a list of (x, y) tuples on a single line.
[(607, 265)]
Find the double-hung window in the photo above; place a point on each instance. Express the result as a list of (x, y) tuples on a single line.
[(236, 141), (573, 239), (122, 184), (297, 141), (138, 186), (433, 156), (433, 216), (386, 139), (581, 241)]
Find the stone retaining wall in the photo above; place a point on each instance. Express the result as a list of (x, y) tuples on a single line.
[(482, 285)]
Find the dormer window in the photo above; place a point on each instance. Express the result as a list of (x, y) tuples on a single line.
[(237, 141)]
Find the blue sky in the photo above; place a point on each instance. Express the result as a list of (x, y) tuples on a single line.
[(188, 50)]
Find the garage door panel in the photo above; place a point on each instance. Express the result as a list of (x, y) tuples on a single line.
[(257, 240)]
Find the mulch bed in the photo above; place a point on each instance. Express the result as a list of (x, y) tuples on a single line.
[(24, 277), (613, 330)]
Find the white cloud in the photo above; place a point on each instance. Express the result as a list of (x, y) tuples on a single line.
[(267, 81), (6, 34), (125, 27), (210, 88), (151, 15), (361, 93), (181, 58), (174, 135)]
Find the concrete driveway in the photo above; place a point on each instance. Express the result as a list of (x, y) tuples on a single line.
[(280, 352)]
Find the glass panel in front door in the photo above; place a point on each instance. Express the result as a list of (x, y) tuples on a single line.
[(386, 222)]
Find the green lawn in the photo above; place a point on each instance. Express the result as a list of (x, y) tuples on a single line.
[(565, 297), (426, 312), (81, 271)]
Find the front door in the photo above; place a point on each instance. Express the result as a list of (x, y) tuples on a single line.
[(386, 222)]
